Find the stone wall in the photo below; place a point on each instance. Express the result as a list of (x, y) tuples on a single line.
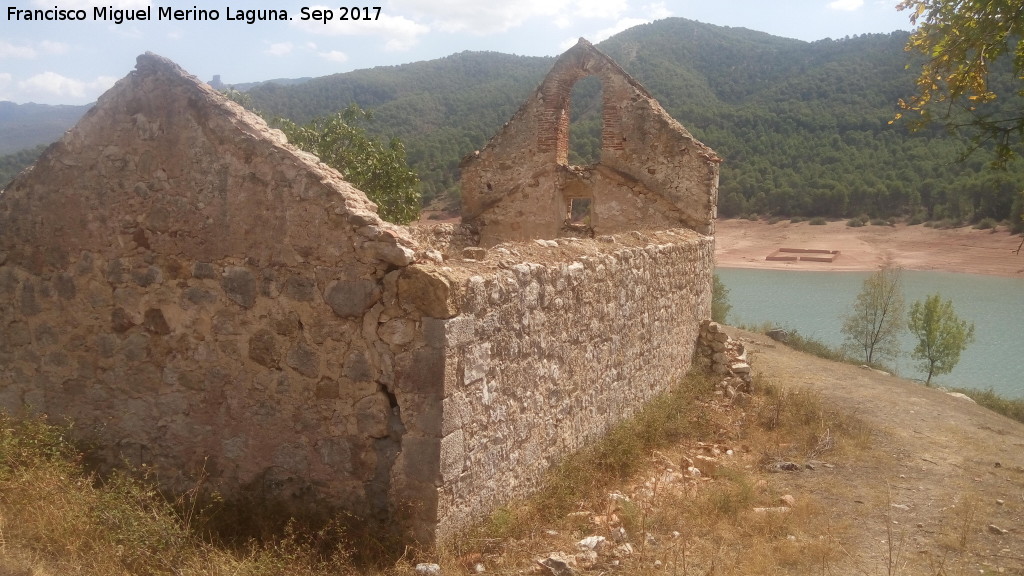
[(552, 345), (652, 173), (202, 298)]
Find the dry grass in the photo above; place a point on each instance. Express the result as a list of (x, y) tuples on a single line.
[(634, 490), (56, 518)]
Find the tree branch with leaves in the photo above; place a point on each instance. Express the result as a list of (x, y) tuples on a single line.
[(959, 83)]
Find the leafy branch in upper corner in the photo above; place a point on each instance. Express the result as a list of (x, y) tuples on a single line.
[(378, 169), (964, 82)]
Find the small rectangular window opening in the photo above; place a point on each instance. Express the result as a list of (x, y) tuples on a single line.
[(579, 210)]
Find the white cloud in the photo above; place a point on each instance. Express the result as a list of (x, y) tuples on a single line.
[(54, 47), (614, 29), (280, 49), (52, 87), (399, 32), (8, 50), (5, 81), (846, 5), (334, 56), (604, 9), (657, 11), (483, 17), (650, 12)]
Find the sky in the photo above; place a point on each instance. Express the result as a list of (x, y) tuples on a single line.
[(69, 61)]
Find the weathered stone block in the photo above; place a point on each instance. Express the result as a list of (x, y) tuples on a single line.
[(336, 453), (204, 271), (120, 320), (299, 288), (64, 284), (429, 291), (263, 349), (304, 359), (239, 286), (197, 295), (373, 414), (421, 371), (147, 276), (351, 298), (328, 389), (357, 367), (397, 331), (154, 322), (29, 302)]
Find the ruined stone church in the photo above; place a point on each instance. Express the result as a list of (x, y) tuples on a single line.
[(199, 296)]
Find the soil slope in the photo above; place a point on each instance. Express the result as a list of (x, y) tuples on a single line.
[(944, 474)]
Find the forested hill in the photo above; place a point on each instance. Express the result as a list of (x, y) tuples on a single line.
[(803, 127), (27, 125), (441, 109)]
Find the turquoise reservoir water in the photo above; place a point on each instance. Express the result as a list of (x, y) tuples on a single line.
[(812, 303)]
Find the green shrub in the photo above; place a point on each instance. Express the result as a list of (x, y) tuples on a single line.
[(797, 219), (854, 222), (986, 224), (1011, 408), (818, 221)]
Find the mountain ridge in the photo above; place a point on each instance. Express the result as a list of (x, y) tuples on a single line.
[(804, 127)]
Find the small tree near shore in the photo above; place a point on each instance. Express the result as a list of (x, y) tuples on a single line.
[(873, 327), (941, 335)]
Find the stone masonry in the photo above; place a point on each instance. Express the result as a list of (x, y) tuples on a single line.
[(652, 173), (201, 297)]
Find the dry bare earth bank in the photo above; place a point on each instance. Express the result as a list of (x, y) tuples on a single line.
[(943, 483), (746, 244)]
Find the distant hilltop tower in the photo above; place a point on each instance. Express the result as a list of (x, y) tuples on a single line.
[(216, 84)]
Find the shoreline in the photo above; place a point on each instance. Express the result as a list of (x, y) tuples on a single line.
[(746, 244)]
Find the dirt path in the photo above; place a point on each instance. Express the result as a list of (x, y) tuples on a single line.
[(945, 471), (746, 244)]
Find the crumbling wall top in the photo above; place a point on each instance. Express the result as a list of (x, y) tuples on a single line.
[(652, 173)]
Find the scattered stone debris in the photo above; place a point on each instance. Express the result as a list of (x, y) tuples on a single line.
[(425, 569), (590, 543), (993, 529), (875, 370), (557, 565), (962, 396), (772, 510), (473, 253), (783, 467)]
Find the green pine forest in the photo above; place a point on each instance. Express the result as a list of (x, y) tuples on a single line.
[(803, 127)]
